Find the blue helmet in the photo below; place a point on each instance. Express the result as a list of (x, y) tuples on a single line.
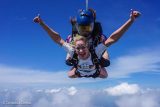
[(85, 17)]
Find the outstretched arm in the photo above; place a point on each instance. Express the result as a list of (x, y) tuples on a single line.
[(54, 35), (115, 36)]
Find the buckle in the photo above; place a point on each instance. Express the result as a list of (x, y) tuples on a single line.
[(95, 60), (75, 61)]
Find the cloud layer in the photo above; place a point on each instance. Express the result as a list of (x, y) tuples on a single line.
[(141, 61), (29, 76), (73, 97), (123, 89)]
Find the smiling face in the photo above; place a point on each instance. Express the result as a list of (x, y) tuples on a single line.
[(82, 49)]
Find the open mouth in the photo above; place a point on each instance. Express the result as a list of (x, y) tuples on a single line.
[(82, 54)]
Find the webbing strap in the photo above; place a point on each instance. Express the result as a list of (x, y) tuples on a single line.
[(95, 60), (75, 60)]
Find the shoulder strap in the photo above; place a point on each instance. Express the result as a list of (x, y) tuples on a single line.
[(95, 61), (97, 32), (75, 60), (74, 29)]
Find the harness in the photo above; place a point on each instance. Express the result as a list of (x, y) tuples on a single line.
[(95, 62), (97, 31)]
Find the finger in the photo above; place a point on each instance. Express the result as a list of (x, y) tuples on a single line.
[(132, 11), (138, 13)]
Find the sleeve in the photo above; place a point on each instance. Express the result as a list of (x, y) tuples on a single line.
[(68, 48), (103, 38), (69, 39), (100, 49)]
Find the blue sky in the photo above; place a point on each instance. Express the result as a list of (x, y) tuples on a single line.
[(32, 68), (24, 44)]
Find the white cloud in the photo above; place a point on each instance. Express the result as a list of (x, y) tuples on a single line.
[(148, 99), (82, 98), (72, 91), (51, 91), (124, 66), (26, 76), (22, 75), (123, 89), (143, 61)]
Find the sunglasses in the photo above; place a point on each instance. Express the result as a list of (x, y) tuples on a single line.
[(80, 47)]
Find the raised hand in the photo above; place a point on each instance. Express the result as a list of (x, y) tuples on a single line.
[(37, 19), (134, 14)]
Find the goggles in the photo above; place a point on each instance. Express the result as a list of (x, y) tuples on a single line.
[(85, 28)]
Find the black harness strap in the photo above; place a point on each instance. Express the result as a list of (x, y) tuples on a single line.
[(95, 61), (96, 40), (75, 61), (97, 32)]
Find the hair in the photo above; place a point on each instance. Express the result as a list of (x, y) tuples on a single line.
[(93, 12), (79, 37)]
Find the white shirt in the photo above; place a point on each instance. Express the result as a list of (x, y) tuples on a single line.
[(85, 67)]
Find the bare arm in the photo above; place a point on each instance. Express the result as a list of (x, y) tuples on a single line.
[(54, 35), (115, 36)]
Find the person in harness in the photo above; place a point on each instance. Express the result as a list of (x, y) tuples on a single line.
[(86, 63), (85, 24)]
